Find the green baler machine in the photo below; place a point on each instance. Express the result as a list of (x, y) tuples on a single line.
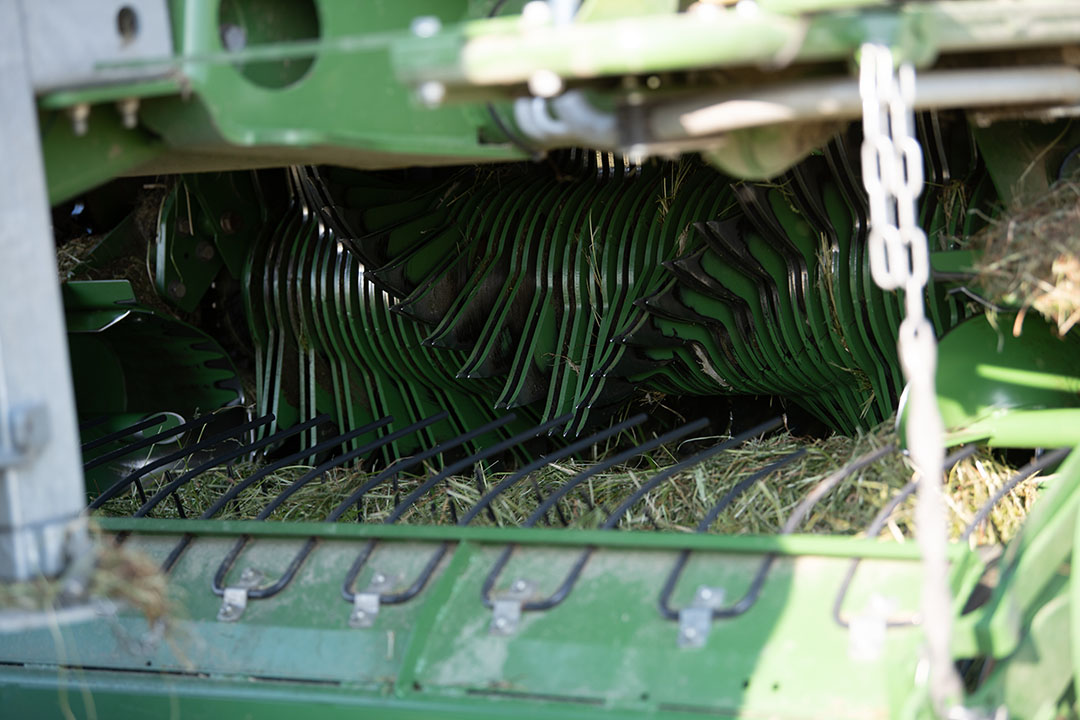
[(361, 302)]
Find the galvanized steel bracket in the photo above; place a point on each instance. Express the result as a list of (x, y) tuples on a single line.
[(507, 608), (695, 621), (366, 604), (234, 599)]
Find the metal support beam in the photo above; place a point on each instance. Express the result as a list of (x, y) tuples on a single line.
[(41, 483)]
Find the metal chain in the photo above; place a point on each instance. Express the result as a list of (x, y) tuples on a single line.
[(899, 259)]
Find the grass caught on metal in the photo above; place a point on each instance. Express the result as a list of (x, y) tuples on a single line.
[(676, 505), (1031, 256)]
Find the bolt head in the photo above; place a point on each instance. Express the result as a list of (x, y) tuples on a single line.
[(545, 84), (501, 623), (378, 578), (519, 586), (431, 93), (425, 26)]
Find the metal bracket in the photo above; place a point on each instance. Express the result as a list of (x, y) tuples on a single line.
[(234, 600), (507, 607), (366, 604), (695, 621), (28, 433), (867, 630)]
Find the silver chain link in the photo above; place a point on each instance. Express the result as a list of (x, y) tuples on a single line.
[(900, 260)]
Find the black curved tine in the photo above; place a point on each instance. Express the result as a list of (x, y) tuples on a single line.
[(93, 422), (484, 502), (247, 482), (568, 583), (564, 589), (425, 487), (750, 597), (230, 434), (172, 486), (562, 453), (146, 442), (130, 430), (877, 525), (613, 518), (260, 593), (1036, 465)]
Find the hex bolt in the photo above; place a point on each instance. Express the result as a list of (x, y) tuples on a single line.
[(425, 26), (545, 84), (233, 37), (204, 251), (229, 222), (431, 93), (80, 118), (129, 112)]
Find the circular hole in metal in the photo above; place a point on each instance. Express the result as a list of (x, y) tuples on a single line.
[(127, 23), (245, 24)]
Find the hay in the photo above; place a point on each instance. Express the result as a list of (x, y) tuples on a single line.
[(676, 505), (120, 574), (1031, 257)]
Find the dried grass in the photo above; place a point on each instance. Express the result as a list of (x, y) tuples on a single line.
[(1031, 256), (676, 505)]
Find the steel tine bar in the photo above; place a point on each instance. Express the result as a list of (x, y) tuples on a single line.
[(877, 525), (613, 519), (567, 585), (295, 486), (325, 445), (231, 455), (230, 434), (563, 590), (752, 594), (433, 562), (93, 422), (342, 460), (392, 472), (622, 457), (235, 490), (147, 442), (130, 430), (1036, 465), (714, 512), (458, 466), (408, 462), (565, 452)]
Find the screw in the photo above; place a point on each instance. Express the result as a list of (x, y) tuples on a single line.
[(129, 112), (204, 251), (545, 84), (80, 118), (425, 26), (431, 93), (229, 222), (233, 37)]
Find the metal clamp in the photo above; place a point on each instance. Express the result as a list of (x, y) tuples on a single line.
[(366, 604), (234, 599), (506, 617), (695, 620)]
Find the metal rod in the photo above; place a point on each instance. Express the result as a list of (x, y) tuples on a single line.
[(171, 487), (230, 434), (1040, 463), (130, 430), (235, 490), (750, 597), (147, 442)]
